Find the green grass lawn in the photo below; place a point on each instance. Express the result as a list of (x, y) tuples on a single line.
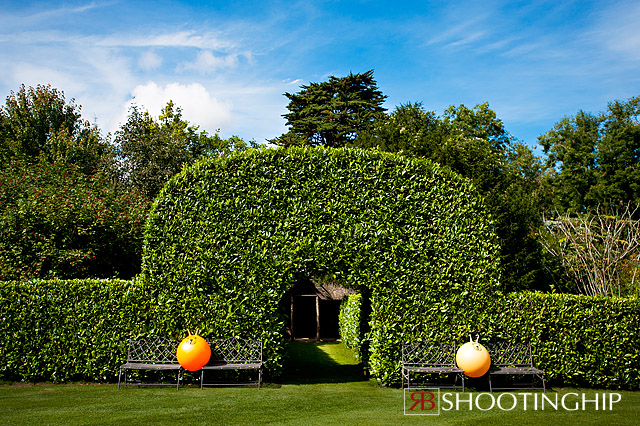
[(322, 385)]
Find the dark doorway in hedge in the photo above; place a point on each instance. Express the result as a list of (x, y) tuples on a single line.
[(314, 310)]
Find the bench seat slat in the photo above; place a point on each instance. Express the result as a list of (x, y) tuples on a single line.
[(434, 369), (516, 370), (233, 366), (150, 366)]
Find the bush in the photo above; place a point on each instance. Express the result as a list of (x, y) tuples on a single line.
[(349, 321), (227, 236), (577, 340), (68, 330), (57, 222)]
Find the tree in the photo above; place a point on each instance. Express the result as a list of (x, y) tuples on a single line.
[(150, 152), (408, 130), (58, 222), (38, 122), (593, 159), (474, 143), (333, 112), (597, 249)]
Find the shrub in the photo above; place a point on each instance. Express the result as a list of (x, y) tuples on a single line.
[(349, 322), (68, 330), (577, 340), (226, 237), (57, 222)]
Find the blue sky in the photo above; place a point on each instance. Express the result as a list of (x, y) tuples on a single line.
[(227, 64)]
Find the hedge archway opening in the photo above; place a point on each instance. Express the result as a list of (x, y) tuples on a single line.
[(227, 236)]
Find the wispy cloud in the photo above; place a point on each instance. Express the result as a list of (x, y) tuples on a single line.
[(470, 29), (189, 38), (619, 30), (207, 62), (149, 61), (39, 15)]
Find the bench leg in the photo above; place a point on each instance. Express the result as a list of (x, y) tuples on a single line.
[(461, 375), (259, 377), (119, 375)]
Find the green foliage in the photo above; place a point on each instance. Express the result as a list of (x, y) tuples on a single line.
[(78, 329), (333, 112), (593, 159), (474, 143), (68, 330), (350, 319), (227, 236), (150, 152), (577, 340), (55, 221), (38, 122)]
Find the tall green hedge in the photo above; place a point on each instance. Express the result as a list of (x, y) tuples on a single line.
[(78, 329), (350, 323), (69, 330), (227, 236), (577, 340)]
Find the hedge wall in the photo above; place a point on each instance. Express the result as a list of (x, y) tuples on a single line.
[(577, 340), (68, 330), (78, 329), (226, 237), (350, 324)]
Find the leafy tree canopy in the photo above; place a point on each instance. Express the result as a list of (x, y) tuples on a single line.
[(593, 158), (38, 122), (58, 222), (333, 112), (152, 151)]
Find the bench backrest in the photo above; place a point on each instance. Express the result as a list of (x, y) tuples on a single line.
[(153, 349), (429, 353), (510, 354), (235, 350)]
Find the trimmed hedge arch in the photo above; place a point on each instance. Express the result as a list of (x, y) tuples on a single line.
[(227, 236)]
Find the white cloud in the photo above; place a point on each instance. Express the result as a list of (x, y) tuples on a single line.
[(619, 30), (207, 40), (460, 31), (149, 61), (208, 62), (198, 106)]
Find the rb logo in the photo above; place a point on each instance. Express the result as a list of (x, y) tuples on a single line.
[(423, 402)]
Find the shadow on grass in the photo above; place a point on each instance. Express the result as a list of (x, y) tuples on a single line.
[(320, 362)]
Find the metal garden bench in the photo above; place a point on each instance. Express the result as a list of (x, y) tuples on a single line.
[(234, 353), (513, 359), (429, 357), (151, 353)]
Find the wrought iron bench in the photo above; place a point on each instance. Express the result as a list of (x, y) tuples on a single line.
[(151, 353), (234, 353), (513, 359), (429, 357)]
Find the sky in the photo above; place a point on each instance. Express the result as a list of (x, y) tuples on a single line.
[(228, 63)]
